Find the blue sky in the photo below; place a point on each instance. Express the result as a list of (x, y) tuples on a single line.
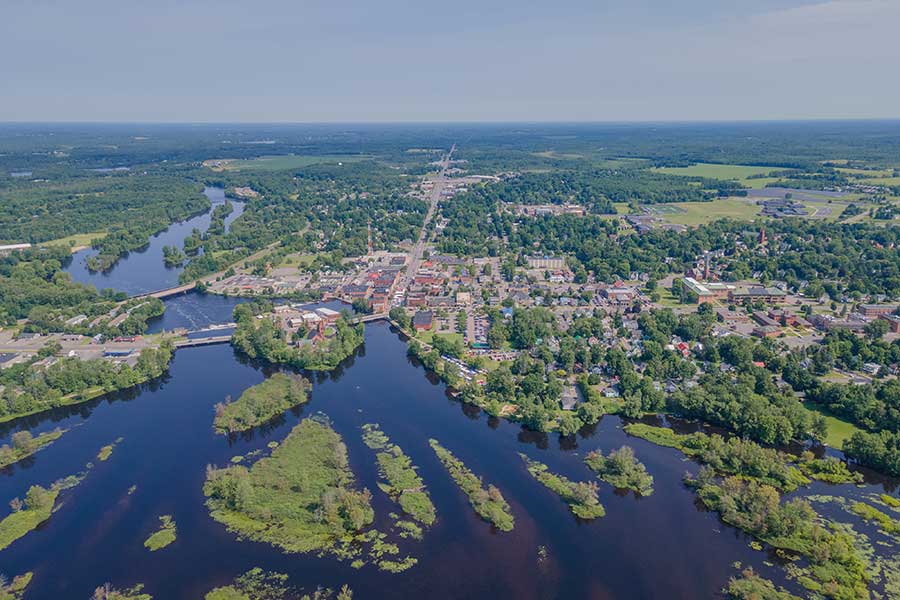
[(486, 60)]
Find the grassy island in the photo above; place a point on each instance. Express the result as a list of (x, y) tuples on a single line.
[(622, 470), (15, 589), (261, 403), (301, 498), (257, 584), (27, 516), (164, 536), (579, 495), (24, 445), (488, 503), (400, 480)]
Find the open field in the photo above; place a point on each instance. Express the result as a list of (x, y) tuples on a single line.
[(866, 172), (698, 213), (78, 240), (838, 430), (714, 171), (884, 181), (280, 163)]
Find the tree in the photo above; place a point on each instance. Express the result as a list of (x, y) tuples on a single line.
[(876, 329)]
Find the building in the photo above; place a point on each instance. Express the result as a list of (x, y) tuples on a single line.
[(893, 322), (708, 291), (767, 295), (765, 320), (423, 320), (619, 295), (731, 317), (328, 315), (545, 262), (876, 310), (10, 248), (765, 331)]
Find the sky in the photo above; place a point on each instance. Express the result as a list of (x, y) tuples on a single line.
[(466, 60)]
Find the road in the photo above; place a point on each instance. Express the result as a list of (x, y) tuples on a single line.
[(434, 199)]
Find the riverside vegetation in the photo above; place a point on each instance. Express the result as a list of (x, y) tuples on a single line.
[(736, 456), (257, 584), (400, 480), (834, 569), (622, 470), (25, 445), (581, 496), (488, 503), (261, 403)]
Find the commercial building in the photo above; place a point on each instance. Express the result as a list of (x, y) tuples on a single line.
[(767, 295), (708, 291), (876, 310), (423, 320)]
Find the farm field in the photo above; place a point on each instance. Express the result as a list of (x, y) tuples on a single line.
[(715, 171)]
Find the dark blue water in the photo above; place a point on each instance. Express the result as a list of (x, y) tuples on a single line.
[(662, 546), (143, 270)]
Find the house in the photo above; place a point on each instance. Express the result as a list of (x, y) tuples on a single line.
[(423, 320)]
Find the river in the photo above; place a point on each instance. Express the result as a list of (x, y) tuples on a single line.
[(661, 546), (143, 270)]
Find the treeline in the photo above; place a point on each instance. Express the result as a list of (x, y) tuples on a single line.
[(27, 389), (124, 205)]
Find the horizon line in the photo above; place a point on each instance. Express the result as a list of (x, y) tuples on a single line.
[(469, 122)]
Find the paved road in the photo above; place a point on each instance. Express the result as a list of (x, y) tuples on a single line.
[(434, 199)]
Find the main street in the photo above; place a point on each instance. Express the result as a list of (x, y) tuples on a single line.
[(418, 250)]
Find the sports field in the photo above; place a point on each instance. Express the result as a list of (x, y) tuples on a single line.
[(698, 213)]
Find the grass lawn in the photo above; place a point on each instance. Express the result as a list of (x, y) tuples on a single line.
[(428, 336), (290, 161), (838, 430), (884, 181), (76, 240), (699, 213), (295, 260), (666, 299)]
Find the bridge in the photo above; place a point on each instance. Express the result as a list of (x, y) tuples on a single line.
[(168, 292), (205, 341), (370, 318)]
